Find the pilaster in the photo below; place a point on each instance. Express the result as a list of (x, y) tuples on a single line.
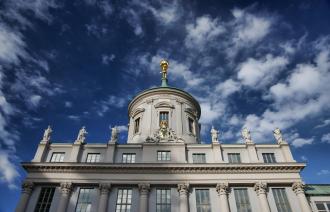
[(223, 190), (144, 189), (299, 189), (66, 189), (104, 194), (27, 188), (261, 190), (183, 189)]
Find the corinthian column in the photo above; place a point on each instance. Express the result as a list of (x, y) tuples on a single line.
[(27, 188), (223, 189), (104, 194), (66, 189), (183, 189), (261, 190), (299, 190), (144, 189)]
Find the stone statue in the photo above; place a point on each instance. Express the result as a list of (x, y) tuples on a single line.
[(246, 135), (114, 134), (163, 130), (278, 136), (214, 135), (82, 135), (47, 134)]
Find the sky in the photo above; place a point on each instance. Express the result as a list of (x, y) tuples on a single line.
[(69, 64)]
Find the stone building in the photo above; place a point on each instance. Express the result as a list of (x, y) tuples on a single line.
[(164, 167)]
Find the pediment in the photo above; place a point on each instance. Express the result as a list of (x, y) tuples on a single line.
[(137, 111), (164, 105)]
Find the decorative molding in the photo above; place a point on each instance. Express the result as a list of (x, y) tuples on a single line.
[(164, 105), (27, 187), (144, 188), (66, 187), (298, 187), (260, 188), (183, 188), (137, 111), (184, 168), (222, 188), (191, 111), (104, 188)]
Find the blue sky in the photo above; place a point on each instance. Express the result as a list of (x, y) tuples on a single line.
[(250, 64)]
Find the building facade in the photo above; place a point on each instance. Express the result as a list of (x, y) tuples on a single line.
[(164, 167)]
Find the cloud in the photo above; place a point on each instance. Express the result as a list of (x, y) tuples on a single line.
[(8, 171), (299, 142), (326, 138), (324, 123), (68, 104), (111, 101), (258, 73), (323, 172), (106, 59), (122, 128), (34, 101), (74, 117), (227, 88)]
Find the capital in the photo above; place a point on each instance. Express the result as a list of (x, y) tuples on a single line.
[(183, 188), (260, 188), (104, 188), (298, 187), (144, 188), (222, 188), (66, 187), (27, 187)]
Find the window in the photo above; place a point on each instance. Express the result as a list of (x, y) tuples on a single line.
[(203, 200), (191, 125), (269, 157), (128, 158), (57, 157), (163, 116), (124, 200), (242, 200), (84, 202), (137, 125), (163, 155), (45, 199), (323, 206), (199, 158), (93, 158), (163, 203), (234, 157), (281, 201)]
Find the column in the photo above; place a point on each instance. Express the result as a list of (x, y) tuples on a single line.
[(66, 188), (183, 189), (261, 190), (104, 194), (223, 189), (27, 188), (299, 190), (144, 189)]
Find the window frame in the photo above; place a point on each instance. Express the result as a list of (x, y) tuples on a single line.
[(137, 124), (160, 117), (192, 127), (167, 156), (161, 203), (82, 200), (234, 161), (62, 154), (91, 154), (269, 157), (128, 154), (246, 200), (127, 201), (197, 156), (286, 200), (326, 205), (48, 203), (200, 205)]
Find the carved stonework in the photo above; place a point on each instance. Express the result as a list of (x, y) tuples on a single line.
[(104, 188), (183, 188), (114, 134), (144, 188), (66, 187), (246, 136), (222, 188), (47, 134), (298, 187), (214, 135), (278, 136), (81, 136), (27, 187), (163, 134), (260, 188)]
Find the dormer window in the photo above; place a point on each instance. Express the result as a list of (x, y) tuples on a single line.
[(163, 117), (136, 125)]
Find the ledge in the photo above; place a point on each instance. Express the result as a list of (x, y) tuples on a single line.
[(160, 168)]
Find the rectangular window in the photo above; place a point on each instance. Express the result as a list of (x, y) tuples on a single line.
[(57, 157), (191, 125), (322, 206), (242, 200), (281, 200), (137, 125), (128, 158), (269, 157), (164, 155), (93, 158), (234, 157), (124, 200), (163, 203), (84, 202), (45, 199), (163, 116), (199, 158), (203, 200)]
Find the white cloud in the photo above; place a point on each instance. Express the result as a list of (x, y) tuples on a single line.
[(106, 59), (34, 101), (304, 158), (122, 128), (324, 123), (74, 117), (227, 88), (326, 138), (67, 104), (323, 172), (110, 102), (299, 142), (205, 30), (8, 172), (258, 73)]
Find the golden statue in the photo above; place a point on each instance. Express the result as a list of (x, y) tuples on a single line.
[(164, 65)]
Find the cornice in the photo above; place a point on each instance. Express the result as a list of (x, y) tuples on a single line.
[(156, 168)]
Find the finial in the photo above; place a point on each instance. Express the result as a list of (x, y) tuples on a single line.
[(164, 66)]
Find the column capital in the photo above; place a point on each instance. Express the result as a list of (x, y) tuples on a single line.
[(298, 187), (104, 188), (27, 187), (66, 187), (260, 188), (183, 188), (144, 188), (222, 188)]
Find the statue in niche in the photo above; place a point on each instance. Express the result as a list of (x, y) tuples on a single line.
[(214, 135), (47, 134), (82, 135)]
